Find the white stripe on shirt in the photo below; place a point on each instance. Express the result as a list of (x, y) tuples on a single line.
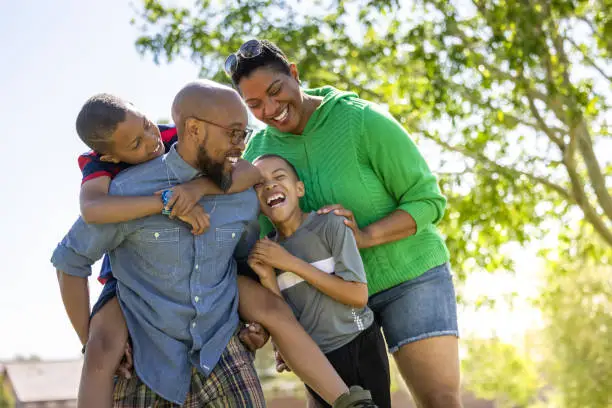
[(288, 279)]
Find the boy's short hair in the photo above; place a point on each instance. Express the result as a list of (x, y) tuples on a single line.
[(98, 120), (276, 156)]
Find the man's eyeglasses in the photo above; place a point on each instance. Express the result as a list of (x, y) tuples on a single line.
[(237, 136), (249, 49)]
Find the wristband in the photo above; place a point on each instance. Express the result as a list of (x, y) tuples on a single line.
[(165, 197)]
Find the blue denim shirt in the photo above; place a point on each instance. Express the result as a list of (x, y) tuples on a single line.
[(178, 292)]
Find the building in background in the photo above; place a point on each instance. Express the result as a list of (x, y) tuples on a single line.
[(41, 384)]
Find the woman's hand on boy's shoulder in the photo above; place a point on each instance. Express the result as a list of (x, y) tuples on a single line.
[(362, 237)]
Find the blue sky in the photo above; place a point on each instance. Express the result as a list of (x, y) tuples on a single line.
[(55, 55)]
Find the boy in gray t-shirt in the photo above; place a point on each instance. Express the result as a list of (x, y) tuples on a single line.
[(313, 262)]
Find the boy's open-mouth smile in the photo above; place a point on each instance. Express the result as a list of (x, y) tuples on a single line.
[(276, 200)]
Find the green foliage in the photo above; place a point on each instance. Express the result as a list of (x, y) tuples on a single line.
[(491, 83), (511, 104), (567, 362), (498, 371), (577, 307), (5, 399)]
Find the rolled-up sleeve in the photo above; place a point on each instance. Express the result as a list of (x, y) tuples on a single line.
[(399, 164), (84, 245)]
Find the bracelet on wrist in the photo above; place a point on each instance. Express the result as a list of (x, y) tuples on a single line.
[(165, 198)]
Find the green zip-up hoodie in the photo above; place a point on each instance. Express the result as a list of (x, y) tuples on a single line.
[(354, 153)]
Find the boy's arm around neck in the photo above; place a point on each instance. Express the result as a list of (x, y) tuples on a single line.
[(244, 177), (98, 207)]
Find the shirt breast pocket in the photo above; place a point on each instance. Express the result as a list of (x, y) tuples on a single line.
[(159, 251), (227, 236)]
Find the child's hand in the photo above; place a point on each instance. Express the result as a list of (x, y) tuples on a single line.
[(125, 367), (198, 219), (254, 336), (184, 198), (263, 270), (280, 361), (269, 252)]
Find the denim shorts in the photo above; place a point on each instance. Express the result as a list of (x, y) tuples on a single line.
[(109, 291), (417, 309)]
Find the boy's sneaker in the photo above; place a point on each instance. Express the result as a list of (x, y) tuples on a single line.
[(357, 397)]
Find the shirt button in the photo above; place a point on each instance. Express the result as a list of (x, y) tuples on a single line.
[(233, 235), (193, 324), (197, 266), (197, 299), (156, 235)]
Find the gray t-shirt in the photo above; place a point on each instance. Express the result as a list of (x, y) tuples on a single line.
[(328, 244)]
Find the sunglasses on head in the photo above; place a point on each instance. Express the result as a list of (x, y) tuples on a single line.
[(249, 49)]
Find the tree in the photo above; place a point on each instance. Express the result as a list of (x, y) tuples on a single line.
[(500, 372), (567, 361), (5, 400), (576, 304), (516, 97), (516, 94)]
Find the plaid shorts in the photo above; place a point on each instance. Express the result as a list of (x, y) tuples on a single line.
[(233, 383)]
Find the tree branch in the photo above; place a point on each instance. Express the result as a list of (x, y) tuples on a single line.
[(503, 169), (473, 99), (580, 196), (360, 88), (542, 124), (589, 60), (590, 24), (596, 177), (563, 58), (577, 196), (579, 133), (554, 103), (454, 173)]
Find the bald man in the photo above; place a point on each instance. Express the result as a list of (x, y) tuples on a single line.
[(213, 155), (178, 291)]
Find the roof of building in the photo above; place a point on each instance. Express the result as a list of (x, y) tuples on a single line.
[(44, 380)]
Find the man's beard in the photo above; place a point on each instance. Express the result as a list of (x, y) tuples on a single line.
[(214, 171)]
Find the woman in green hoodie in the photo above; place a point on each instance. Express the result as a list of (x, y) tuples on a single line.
[(357, 160)]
